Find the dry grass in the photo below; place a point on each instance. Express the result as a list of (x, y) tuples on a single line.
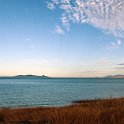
[(110, 111)]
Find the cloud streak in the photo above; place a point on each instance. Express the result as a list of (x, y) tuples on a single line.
[(59, 30), (107, 15), (121, 64), (119, 68)]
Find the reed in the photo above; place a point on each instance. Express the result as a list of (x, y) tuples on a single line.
[(107, 111)]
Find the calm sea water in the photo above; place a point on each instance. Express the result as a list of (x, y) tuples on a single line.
[(55, 92)]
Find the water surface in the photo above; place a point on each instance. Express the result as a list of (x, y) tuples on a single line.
[(55, 92)]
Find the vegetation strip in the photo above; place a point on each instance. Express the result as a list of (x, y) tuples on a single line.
[(106, 111)]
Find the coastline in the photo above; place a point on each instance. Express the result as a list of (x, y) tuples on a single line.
[(97, 111)]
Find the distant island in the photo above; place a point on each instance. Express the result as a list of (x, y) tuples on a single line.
[(29, 76), (115, 76)]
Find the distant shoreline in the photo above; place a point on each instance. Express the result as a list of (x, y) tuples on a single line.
[(29, 76), (13, 77)]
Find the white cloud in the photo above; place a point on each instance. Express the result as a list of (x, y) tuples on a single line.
[(107, 15), (65, 22), (119, 42), (50, 6), (59, 30), (55, 1), (115, 44)]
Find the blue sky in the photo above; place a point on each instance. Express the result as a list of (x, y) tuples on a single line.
[(33, 40)]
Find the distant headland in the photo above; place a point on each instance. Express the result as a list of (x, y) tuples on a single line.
[(29, 76), (115, 76)]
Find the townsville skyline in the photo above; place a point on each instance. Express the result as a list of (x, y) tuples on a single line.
[(67, 38)]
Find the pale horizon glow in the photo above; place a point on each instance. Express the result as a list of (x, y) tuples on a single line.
[(62, 38)]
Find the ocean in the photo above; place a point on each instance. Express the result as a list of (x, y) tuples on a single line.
[(56, 92)]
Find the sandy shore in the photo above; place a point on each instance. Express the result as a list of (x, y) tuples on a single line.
[(105, 111)]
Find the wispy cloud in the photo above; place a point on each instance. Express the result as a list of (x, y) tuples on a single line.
[(107, 15), (50, 6), (120, 64), (119, 68), (59, 30), (115, 44)]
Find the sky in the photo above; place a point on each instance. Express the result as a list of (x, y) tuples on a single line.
[(62, 38)]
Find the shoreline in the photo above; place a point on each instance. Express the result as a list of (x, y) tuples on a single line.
[(73, 102), (97, 111)]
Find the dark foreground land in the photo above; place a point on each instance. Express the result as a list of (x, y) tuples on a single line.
[(109, 111)]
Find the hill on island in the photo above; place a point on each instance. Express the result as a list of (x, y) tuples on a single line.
[(30, 76), (115, 76), (25, 77)]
